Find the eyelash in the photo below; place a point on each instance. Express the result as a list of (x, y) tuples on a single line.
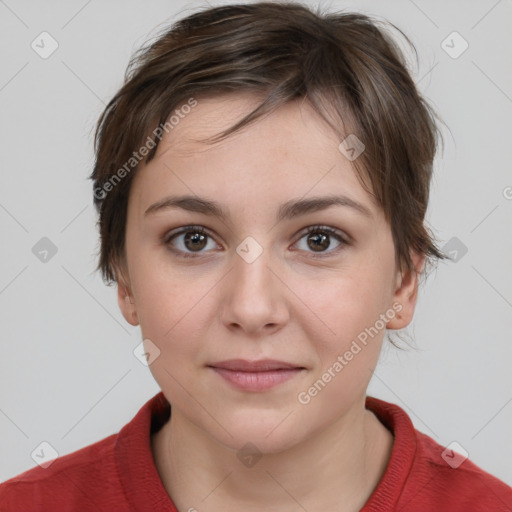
[(311, 229)]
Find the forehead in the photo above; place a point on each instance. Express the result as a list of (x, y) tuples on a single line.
[(291, 152), (214, 114)]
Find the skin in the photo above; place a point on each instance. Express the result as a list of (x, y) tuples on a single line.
[(289, 305)]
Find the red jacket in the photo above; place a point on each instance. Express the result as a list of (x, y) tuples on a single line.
[(118, 474)]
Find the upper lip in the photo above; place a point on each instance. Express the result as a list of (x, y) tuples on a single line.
[(254, 366)]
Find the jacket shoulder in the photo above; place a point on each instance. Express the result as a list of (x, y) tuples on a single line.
[(76, 479), (447, 480)]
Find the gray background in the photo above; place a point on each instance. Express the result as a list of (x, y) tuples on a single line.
[(67, 372)]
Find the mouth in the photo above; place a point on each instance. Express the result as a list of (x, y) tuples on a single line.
[(263, 365), (256, 375)]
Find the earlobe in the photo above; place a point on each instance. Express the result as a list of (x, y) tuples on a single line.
[(127, 303), (406, 293)]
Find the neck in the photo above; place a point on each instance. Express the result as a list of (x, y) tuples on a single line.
[(335, 469)]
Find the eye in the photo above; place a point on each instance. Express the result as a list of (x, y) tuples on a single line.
[(318, 238), (194, 241)]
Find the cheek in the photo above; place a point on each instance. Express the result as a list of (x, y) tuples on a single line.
[(173, 310), (348, 347), (170, 319), (341, 306), (165, 293), (352, 333)]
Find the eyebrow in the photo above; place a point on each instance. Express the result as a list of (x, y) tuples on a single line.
[(289, 210)]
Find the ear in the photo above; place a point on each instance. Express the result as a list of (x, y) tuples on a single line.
[(125, 298), (406, 293)]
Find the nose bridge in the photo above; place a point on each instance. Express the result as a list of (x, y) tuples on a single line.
[(251, 265), (252, 298)]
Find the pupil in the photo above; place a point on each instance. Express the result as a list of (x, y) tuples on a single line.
[(197, 239), (319, 238)]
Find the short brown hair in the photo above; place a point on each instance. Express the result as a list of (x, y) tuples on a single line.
[(350, 70)]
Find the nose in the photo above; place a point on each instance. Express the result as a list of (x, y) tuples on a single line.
[(253, 298)]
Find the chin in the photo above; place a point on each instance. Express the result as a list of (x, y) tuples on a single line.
[(266, 437)]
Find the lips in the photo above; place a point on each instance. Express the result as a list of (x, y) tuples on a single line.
[(264, 365), (256, 376)]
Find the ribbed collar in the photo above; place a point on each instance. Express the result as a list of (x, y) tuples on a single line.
[(387, 493), (144, 489)]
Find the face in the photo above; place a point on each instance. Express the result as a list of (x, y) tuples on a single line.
[(254, 284)]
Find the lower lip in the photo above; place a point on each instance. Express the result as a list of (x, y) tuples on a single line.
[(257, 381)]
